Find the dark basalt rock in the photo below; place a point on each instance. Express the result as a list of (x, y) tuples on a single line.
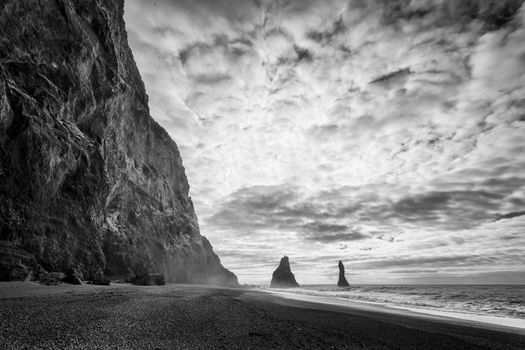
[(283, 277), (74, 276), (52, 278), (342, 282), (40, 273), (15, 264), (99, 279), (19, 273), (87, 178), (130, 277), (73, 280), (152, 279), (30, 276), (101, 282)]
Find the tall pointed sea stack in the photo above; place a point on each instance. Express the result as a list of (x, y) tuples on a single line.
[(342, 279), (283, 277), (88, 180)]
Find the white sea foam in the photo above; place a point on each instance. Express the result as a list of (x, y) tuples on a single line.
[(497, 305)]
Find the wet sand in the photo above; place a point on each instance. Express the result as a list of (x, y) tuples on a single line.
[(196, 317)]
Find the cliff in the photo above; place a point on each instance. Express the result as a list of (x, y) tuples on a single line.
[(283, 277), (88, 180)]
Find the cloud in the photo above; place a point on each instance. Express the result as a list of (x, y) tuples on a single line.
[(451, 210), (435, 261), (329, 233), (307, 126), (390, 79), (337, 215), (509, 215)]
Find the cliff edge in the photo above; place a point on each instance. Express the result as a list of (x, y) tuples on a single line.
[(88, 180)]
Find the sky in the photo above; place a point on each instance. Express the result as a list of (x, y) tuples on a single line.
[(389, 134)]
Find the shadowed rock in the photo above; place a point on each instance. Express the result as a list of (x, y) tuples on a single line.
[(342, 279), (73, 280), (99, 279), (283, 277), (52, 278), (150, 279), (87, 178), (74, 276), (15, 264)]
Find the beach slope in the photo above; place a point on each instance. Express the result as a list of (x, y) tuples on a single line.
[(195, 317)]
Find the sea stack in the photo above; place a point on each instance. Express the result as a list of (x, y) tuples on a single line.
[(283, 277), (342, 279)]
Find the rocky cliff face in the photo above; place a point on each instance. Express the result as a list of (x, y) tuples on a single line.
[(87, 178), (283, 277)]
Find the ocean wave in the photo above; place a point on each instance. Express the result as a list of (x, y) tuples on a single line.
[(495, 300)]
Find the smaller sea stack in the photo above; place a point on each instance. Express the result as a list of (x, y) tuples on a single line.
[(283, 277), (342, 279)]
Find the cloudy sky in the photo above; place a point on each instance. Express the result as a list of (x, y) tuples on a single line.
[(389, 134)]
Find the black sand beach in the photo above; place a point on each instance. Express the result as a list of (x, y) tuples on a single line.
[(189, 317)]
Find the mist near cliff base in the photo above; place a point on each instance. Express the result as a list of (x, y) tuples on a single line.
[(387, 134)]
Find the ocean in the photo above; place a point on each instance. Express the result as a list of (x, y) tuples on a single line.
[(506, 301)]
